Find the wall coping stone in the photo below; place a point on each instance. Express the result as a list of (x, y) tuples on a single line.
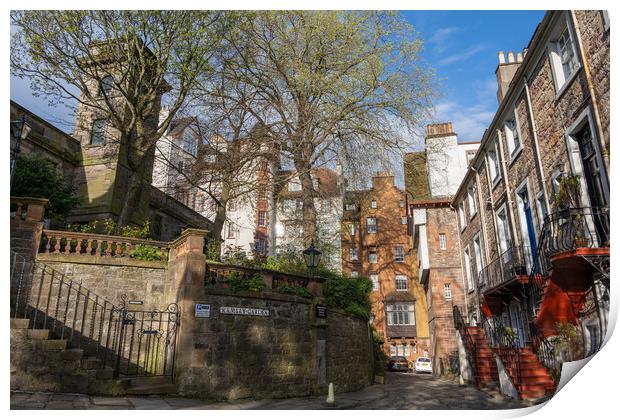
[(185, 234), (101, 260), (258, 295)]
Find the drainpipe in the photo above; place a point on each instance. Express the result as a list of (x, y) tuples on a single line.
[(536, 146), (508, 190), (591, 91), (482, 215), (465, 290)]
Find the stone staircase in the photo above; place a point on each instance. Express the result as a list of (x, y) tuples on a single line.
[(42, 363), (530, 378), (486, 366)]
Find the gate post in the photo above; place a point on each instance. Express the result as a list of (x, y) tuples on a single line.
[(185, 285)]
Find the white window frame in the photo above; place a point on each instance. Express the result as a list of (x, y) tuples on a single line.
[(401, 277), (442, 241), (403, 220), (374, 278), (374, 225), (399, 256), (541, 209), (373, 204), (560, 77), (468, 272), (447, 292), (400, 307), (504, 239), (354, 274), (375, 259), (352, 229), (478, 255), (471, 200), (493, 165), (353, 254), (264, 218), (462, 216), (514, 147)]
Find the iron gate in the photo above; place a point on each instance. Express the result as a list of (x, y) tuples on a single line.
[(146, 341)]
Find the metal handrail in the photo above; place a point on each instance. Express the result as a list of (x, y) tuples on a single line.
[(470, 345), (505, 344)]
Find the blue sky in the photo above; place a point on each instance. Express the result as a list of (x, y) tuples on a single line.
[(462, 46)]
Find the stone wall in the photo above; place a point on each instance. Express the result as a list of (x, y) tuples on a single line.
[(115, 280), (286, 353)]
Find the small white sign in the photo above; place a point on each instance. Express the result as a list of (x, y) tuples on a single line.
[(230, 310), (202, 310)]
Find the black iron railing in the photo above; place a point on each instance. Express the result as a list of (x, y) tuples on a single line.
[(131, 342), (505, 342), (513, 262), (468, 342)]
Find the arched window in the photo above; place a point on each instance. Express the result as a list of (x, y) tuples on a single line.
[(105, 87)]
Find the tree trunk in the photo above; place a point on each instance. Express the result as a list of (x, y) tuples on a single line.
[(135, 186), (308, 210), (220, 218)]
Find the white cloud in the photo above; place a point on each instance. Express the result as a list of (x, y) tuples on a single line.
[(438, 39), (461, 56)]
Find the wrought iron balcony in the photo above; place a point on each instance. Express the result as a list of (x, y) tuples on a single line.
[(514, 262), (572, 229)]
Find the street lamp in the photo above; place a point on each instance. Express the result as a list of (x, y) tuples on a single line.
[(312, 257), (19, 131)]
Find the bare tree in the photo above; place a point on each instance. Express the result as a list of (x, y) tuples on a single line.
[(329, 85), (152, 56)]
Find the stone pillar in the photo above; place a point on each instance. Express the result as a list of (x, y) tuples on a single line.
[(315, 286), (319, 339), (185, 286), (27, 225)]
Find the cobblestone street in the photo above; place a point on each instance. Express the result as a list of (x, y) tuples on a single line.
[(402, 391)]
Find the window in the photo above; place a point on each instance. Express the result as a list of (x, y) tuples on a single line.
[(513, 140), (563, 58), (352, 229), (354, 274), (399, 254), (401, 282), (442, 241), (105, 87), (262, 193), (470, 283), (325, 205), (400, 314), (371, 224), (232, 205), (493, 162), (471, 200), (189, 142), (315, 183), (373, 204), (478, 254), (262, 218), (350, 207), (447, 291), (503, 230), (294, 184), (98, 133), (260, 246), (374, 278), (231, 231), (353, 254), (605, 19), (403, 220), (407, 349), (372, 257), (401, 203), (462, 217), (541, 209), (470, 155)]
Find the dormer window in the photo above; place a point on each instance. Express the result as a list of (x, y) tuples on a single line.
[(105, 87)]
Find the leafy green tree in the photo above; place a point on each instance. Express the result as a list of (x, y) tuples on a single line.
[(37, 177)]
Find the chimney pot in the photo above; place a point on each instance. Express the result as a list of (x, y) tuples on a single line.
[(511, 57), (519, 57), (502, 57)]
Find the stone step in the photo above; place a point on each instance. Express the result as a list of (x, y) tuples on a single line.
[(72, 354), (20, 323), (105, 373), (38, 334), (143, 381), (49, 345), (167, 389), (91, 363)]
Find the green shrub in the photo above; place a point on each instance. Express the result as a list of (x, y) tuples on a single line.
[(143, 232), (350, 294), (295, 290), (252, 284), (146, 253), (377, 337)]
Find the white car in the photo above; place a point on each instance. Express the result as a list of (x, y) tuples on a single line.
[(423, 364)]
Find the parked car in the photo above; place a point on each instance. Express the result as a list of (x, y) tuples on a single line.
[(398, 364), (423, 364)]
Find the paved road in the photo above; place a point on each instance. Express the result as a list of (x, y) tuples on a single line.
[(401, 391)]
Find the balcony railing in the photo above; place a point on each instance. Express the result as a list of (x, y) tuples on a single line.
[(516, 261)]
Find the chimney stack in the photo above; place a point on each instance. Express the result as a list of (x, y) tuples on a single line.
[(506, 70)]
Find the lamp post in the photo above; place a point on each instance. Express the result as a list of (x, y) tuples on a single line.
[(312, 256), (19, 131)]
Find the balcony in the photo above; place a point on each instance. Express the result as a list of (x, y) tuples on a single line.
[(510, 269)]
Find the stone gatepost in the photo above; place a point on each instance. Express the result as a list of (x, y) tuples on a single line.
[(186, 276), (319, 335), (27, 225)]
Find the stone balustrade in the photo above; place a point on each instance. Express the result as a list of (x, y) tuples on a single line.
[(89, 244), (217, 275)]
